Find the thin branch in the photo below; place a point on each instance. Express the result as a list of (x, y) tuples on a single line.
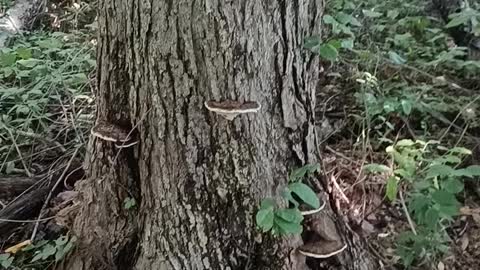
[(59, 180), (409, 219)]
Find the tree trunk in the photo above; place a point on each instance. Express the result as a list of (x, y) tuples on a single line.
[(198, 178)]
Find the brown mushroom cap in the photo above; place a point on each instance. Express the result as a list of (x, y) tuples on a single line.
[(110, 132), (229, 108), (322, 249)]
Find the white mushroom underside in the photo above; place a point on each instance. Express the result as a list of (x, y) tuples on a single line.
[(323, 256), (230, 114), (106, 137), (311, 212)]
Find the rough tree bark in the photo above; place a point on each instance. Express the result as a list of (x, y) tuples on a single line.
[(196, 177)]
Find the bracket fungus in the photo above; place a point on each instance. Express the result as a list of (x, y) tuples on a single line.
[(312, 211), (113, 133), (321, 249), (229, 109)]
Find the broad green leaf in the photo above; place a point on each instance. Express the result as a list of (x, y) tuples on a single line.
[(62, 240), (287, 194), (50, 43), (406, 106), (299, 173), (460, 150), (328, 52), (7, 59), (448, 211), (289, 214), (391, 188), (347, 44), (431, 217), (311, 42), (24, 53), (48, 250), (460, 18), (444, 198), (376, 168), (422, 184), (305, 193), (405, 142), (286, 227), (453, 185), (392, 14), (28, 63), (396, 58), (470, 171), (6, 261), (264, 219), (371, 13), (439, 170), (418, 203), (328, 19)]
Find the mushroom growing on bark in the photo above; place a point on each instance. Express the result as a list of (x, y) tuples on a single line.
[(305, 212), (322, 249), (229, 109), (113, 133)]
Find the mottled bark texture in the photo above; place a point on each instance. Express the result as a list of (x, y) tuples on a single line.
[(197, 178)]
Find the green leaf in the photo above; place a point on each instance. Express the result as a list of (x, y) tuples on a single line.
[(453, 185), (371, 13), (28, 63), (62, 240), (391, 188), (328, 52), (311, 42), (347, 44), (470, 171), (431, 217), (405, 142), (460, 18), (6, 260), (439, 170), (24, 53), (7, 59), (50, 43), (287, 194), (406, 106), (376, 168), (443, 197), (418, 203), (286, 227), (264, 219), (396, 58), (422, 184), (448, 211), (290, 214), (460, 150), (305, 193), (328, 19), (129, 203), (48, 250), (299, 173)]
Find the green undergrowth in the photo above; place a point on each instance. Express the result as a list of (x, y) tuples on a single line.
[(416, 95), (46, 110), (44, 96)]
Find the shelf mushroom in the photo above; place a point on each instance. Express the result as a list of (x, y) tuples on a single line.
[(321, 249), (305, 212), (229, 109), (113, 133)]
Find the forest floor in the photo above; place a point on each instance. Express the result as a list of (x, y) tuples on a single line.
[(397, 115)]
